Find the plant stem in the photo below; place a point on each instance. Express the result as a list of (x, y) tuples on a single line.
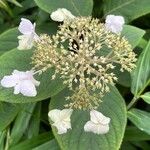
[(133, 101), (135, 98)]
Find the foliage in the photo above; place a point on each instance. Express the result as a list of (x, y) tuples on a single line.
[(24, 122)]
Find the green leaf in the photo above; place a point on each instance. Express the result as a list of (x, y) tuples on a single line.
[(77, 7), (34, 142), (8, 40), (52, 145), (130, 9), (26, 4), (2, 139), (34, 124), (146, 97), (15, 2), (7, 114), (133, 35), (112, 106), (21, 123), (134, 134), (141, 74), (142, 145), (127, 146), (21, 60), (141, 119), (5, 6)]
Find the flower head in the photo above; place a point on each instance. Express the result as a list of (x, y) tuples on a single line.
[(23, 82), (29, 36), (61, 14), (85, 54), (98, 124), (61, 119), (114, 23)]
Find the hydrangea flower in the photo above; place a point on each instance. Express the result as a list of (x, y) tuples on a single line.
[(83, 62), (99, 124), (61, 119), (114, 23), (61, 14), (23, 82), (28, 34)]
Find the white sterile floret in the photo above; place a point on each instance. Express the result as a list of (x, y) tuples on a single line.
[(29, 36), (114, 23), (61, 119), (23, 82), (98, 124), (61, 14)]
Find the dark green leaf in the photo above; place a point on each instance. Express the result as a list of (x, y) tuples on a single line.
[(21, 123), (2, 139), (141, 119), (133, 34), (8, 40), (77, 7), (7, 114), (146, 97), (34, 125), (52, 145), (76, 139), (21, 60), (134, 134), (141, 74), (130, 9), (34, 142)]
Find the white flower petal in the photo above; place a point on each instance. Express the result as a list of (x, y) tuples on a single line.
[(27, 88), (54, 115), (26, 27), (9, 81), (99, 124), (61, 119), (61, 14), (114, 23), (66, 113), (88, 126), (23, 82), (98, 117), (96, 128), (30, 74), (57, 16), (67, 14), (17, 89), (103, 129), (25, 42), (61, 129)]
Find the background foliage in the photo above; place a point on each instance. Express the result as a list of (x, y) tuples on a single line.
[(24, 122)]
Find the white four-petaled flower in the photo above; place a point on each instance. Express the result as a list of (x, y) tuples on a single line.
[(28, 34), (61, 14), (114, 23), (98, 124), (23, 82), (61, 119)]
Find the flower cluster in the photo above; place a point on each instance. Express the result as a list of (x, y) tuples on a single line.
[(85, 54)]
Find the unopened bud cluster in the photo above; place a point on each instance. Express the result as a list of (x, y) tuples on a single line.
[(84, 53)]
